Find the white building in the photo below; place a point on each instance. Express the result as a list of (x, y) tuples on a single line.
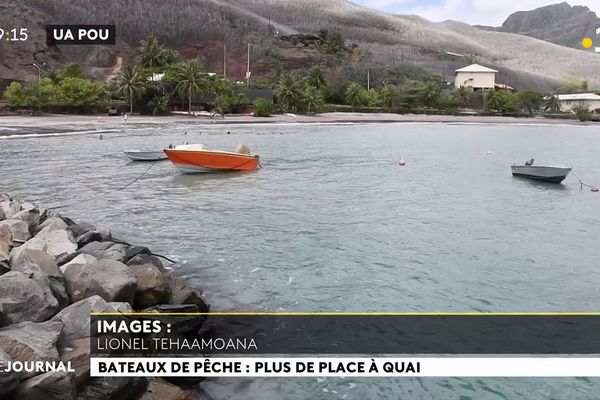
[(568, 101), (475, 76)]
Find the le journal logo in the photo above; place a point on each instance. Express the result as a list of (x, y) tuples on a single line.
[(80, 34)]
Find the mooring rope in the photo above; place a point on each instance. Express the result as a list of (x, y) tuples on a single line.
[(582, 184), (106, 192)]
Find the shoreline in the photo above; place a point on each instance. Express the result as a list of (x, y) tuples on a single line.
[(55, 273), (60, 124)]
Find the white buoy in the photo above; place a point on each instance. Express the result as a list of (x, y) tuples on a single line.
[(401, 162), (489, 152)]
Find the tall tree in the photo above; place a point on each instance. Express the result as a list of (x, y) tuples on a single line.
[(530, 100), (355, 94), (431, 94), (152, 53), (316, 78), (551, 104), (389, 96), (313, 98), (189, 80), (288, 92), (131, 83)]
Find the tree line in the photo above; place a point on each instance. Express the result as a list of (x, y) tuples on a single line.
[(158, 76)]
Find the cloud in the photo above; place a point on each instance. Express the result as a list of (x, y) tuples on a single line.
[(483, 12)]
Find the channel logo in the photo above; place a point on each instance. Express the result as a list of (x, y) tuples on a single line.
[(80, 34)]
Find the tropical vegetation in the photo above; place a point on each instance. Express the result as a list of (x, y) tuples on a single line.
[(159, 78)]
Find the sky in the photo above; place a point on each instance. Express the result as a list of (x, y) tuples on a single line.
[(482, 12)]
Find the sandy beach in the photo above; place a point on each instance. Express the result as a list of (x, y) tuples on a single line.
[(59, 123)]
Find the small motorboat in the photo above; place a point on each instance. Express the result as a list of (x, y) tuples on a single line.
[(141, 155), (548, 174), (191, 158)]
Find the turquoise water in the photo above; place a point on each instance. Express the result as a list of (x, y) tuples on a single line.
[(333, 223)]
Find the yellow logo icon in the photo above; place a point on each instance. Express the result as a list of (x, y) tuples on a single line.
[(587, 42)]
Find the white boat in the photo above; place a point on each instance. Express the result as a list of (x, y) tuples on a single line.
[(550, 174), (141, 155)]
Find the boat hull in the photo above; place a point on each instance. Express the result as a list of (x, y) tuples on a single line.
[(541, 174), (137, 155), (199, 161)]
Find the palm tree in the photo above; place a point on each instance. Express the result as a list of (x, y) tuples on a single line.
[(152, 53), (158, 103), (373, 98), (170, 56), (389, 95), (131, 83), (551, 104), (189, 79), (288, 92), (315, 78), (224, 91), (464, 95), (355, 94), (313, 98), (431, 94)]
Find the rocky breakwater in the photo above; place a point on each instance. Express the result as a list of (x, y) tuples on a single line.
[(53, 273)]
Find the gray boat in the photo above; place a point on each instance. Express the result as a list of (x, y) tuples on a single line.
[(550, 174)]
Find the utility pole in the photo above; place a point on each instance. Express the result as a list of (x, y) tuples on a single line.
[(224, 60), (248, 67), (368, 80), (39, 78)]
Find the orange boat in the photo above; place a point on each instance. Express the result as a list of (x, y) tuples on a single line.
[(193, 158)]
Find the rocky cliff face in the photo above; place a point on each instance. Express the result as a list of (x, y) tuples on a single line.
[(561, 24)]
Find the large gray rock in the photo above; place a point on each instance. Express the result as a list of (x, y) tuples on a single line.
[(9, 380), (31, 216), (53, 223), (112, 388), (57, 242), (111, 280), (142, 258), (19, 230), (133, 251), (40, 265), (76, 317), (28, 341), (85, 233), (78, 354), (183, 293), (106, 251), (152, 286), (39, 258), (5, 246), (117, 252), (81, 259), (26, 299), (96, 249), (10, 207), (57, 385)]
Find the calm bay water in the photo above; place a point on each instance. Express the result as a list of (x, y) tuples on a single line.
[(333, 223)]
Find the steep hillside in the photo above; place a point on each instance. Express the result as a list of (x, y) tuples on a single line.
[(558, 23), (201, 28)]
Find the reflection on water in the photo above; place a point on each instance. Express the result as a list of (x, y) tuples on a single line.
[(333, 223), (541, 185)]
